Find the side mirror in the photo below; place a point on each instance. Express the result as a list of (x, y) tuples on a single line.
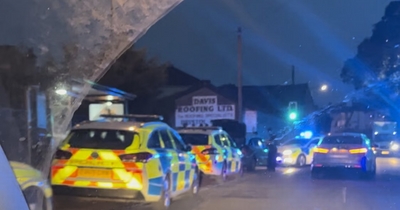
[(375, 145)]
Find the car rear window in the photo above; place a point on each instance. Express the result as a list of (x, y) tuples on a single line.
[(100, 139), (342, 140), (195, 139)]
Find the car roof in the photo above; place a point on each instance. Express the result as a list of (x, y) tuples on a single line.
[(346, 134), (116, 125), (196, 130)]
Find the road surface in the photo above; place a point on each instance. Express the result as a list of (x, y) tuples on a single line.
[(286, 189)]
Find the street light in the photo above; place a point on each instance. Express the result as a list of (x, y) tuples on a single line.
[(324, 88), (61, 92)]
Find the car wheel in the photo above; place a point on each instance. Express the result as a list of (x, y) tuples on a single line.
[(301, 161), (165, 199)]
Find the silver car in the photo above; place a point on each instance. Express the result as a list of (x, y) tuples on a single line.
[(345, 150)]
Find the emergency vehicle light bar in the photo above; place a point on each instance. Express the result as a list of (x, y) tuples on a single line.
[(135, 117)]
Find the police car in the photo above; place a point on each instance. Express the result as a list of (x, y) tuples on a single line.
[(216, 153), (36, 188), (298, 151), (125, 158)]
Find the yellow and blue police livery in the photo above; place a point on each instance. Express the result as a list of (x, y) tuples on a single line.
[(298, 151), (216, 152), (37, 190), (125, 158)]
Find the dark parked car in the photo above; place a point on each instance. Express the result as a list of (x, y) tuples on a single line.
[(255, 153)]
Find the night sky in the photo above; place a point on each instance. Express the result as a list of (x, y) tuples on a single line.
[(316, 36)]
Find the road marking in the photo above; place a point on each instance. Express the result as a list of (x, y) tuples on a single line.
[(344, 191)]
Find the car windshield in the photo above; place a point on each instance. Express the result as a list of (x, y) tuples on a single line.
[(342, 140), (300, 142), (385, 138), (100, 139), (195, 139)]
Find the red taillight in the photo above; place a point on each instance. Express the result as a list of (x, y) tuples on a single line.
[(142, 157), (211, 151), (358, 151), (62, 155), (320, 150)]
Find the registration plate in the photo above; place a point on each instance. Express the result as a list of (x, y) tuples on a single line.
[(385, 152), (338, 156), (339, 151), (94, 173)]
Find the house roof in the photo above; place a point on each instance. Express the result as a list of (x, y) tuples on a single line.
[(177, 77), (270, 98)]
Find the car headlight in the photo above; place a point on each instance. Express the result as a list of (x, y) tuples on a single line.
[(287, 152), (395, 147)]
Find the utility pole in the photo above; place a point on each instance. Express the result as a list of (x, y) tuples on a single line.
[(240, 99), (293, 81)]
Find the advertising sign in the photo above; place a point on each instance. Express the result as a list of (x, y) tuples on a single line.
[(95, 110), (250, 119), (202, 111)]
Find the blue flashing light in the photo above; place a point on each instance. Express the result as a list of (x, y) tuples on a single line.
[(265, 150), (306, 134)]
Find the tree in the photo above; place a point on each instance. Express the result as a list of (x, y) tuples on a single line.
[(136, 74), (378, 57)]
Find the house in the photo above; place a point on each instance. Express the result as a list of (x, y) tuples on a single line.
[(263, 106)]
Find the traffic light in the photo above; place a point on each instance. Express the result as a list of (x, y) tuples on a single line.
[(293, 115)]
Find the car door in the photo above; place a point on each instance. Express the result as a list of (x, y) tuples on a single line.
[(308, 150), (259, 148), (163, 163), (236, 154), (232, 153), (226, 151), (221, 149), (187, 160), (177, 179)]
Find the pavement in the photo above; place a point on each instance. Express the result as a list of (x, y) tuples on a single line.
[(286, 189)]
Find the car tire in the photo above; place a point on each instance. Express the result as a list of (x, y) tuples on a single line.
[(301, 161), (165, 200)]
